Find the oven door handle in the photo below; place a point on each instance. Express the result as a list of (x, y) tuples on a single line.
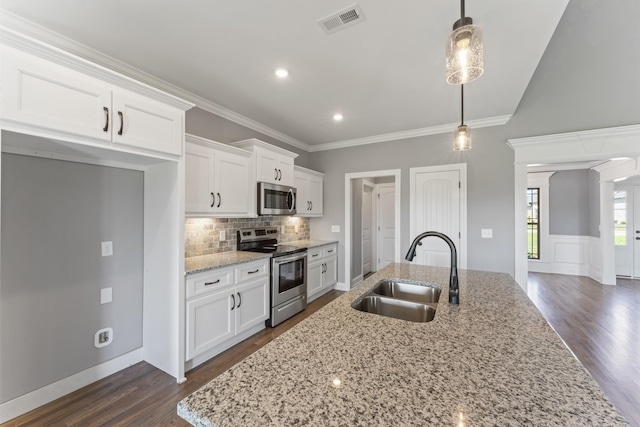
[(281, 260), (293, 200)]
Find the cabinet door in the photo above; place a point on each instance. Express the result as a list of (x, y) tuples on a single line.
[(252, 304), (198, 178), (285, 169), (314, 278), (315, 194), (330, 277), (144, 123), (43, 94), (231, 184), (267, 166), (210, 321), (301, 183)]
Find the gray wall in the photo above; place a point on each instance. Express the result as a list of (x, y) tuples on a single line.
[(54, 216), (206, 125), (593, 179), (569, 203), (490, 189)]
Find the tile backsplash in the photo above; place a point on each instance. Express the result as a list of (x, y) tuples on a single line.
[(202, 235)]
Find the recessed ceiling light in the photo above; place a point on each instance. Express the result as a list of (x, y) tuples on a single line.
[(337, 117), (282, 73)]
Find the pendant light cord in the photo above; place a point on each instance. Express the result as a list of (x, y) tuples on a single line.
[(461, 105), (462, 11)]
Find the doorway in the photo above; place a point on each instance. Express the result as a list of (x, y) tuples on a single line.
[(626, 216), (367, 196)]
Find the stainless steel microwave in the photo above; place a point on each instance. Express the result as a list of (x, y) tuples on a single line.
[(275, 199)]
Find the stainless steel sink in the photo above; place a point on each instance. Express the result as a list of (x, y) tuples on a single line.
[(396, 308), (425, 293)]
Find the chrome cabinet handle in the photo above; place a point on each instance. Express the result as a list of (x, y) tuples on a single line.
[(121, 122), (213, 199), (239, 300), (212, 283), (219, 200), (233, 297), (254, 271), (106, 116)]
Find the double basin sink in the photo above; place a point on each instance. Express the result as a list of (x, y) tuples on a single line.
[(401, 299)]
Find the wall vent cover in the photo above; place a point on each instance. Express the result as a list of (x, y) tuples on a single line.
[(339, 20)]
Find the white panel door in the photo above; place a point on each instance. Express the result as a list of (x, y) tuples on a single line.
[(437, 208), (367, 224), (199, 179), (210, 321), (623, 214), (301, 182), (636, 231), (252, 304), (386, 236), (316, 185)]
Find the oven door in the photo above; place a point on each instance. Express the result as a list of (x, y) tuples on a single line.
[(274, 199), (288, 277)]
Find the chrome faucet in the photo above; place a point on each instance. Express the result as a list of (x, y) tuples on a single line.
[(453, 276)]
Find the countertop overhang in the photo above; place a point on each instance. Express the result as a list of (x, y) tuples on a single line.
[(492, 360)]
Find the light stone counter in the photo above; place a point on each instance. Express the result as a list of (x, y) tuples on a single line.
[(492, 360), (309, 244), (198, 264)]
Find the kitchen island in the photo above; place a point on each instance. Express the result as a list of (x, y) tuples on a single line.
[(492, 360)]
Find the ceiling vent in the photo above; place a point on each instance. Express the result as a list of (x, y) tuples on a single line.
[(343, 19)]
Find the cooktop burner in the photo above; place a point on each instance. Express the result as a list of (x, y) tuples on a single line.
[(263, 240)]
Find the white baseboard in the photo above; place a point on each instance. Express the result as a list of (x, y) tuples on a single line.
[(27, 402)]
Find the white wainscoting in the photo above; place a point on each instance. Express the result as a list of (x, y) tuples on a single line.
[(572, 255)]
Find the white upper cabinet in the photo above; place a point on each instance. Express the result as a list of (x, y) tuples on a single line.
[(272, 164), (309, 185), (48, 99), (217, 179)]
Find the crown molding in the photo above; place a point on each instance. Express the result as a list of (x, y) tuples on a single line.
[(412, 133), (587, 145), (30, 37)]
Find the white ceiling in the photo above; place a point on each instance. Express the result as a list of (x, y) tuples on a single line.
[(385, 74)]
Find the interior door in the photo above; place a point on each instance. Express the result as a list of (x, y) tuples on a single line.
[(623, 226), (436, 208), (367, 224), (386, 236)]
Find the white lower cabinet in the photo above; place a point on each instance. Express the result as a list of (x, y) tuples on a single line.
[(237, 301), (322, 269)]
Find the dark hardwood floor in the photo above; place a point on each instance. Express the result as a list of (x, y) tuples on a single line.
[(601, 325), (142, 395)]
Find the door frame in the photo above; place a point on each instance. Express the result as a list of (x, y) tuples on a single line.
[(373, 234), (377, 221), (617, 145), (396, 173), (461, 168)]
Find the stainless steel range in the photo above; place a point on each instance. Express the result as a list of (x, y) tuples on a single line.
[(288, 271)]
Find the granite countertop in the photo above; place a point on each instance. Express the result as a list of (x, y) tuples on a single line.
[(198, 264), (492, 360)]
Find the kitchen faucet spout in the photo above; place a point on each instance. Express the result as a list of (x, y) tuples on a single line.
[(454, 293)]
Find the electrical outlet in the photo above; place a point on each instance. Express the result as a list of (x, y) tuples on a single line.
[(107, 248), (487, 233), (282, 229), (295, 228), (223, 236), (106, 295)]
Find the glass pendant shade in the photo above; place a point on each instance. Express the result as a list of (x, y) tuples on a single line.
[(462, 138), (465, 61)]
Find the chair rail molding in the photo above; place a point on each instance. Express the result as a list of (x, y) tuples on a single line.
[(607, 144)]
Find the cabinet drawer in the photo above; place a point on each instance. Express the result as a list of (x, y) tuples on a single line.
[(331, 250), (314, 254), (252, 271), (212, 281)]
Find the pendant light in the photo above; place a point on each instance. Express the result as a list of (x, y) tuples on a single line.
[(464, 51), (462, 135)]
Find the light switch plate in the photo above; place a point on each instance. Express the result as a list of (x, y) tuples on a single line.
[(107, 248), (335, 228), (106, 295), (487, 233)]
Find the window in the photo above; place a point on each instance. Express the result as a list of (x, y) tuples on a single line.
[(620, 217), (533, 223)]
